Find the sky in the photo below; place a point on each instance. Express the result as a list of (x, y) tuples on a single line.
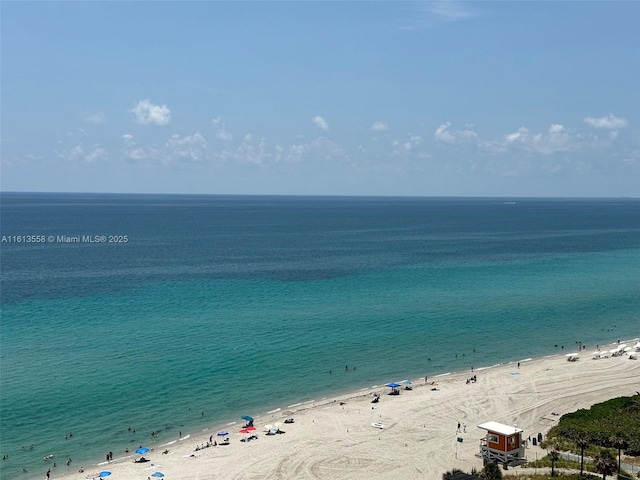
[(480, 98)]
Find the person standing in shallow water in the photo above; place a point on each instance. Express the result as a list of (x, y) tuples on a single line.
[(48, 473)]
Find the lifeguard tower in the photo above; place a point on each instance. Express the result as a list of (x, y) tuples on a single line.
[(502, 444)]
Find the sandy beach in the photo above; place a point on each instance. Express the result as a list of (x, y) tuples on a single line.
[(334, 438)]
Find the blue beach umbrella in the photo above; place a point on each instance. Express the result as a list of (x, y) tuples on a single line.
[(157, 474), (105, 473), (142, 450), (223, 434), (247, 418), (394, 388)]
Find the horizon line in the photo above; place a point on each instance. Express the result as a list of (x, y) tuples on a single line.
[(322, 195)]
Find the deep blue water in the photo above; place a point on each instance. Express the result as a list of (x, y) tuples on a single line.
[(232, 305)]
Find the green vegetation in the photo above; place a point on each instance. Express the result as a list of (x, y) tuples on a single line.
[(451, 473), (604, 464), (491, 471), (589, 468), (609, 424), (553, 457), (565, 476)]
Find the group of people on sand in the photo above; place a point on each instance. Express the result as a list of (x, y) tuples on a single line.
[(207, 445), (473, 379)]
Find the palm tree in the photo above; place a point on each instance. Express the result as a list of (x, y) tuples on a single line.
[(491, 471), (621, 444), (451, 473), (582, 442), (553, 456), (604, 463)]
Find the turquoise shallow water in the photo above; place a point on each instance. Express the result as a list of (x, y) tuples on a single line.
[(237, 305)]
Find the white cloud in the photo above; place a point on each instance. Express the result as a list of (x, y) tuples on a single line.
[(406, 146), (92, 117), (320, 148), (177, 150), (609, 122), (321, 123), (557, 140), (247, 138), (76, 153), (295, 153), (444, 135), (224, 135), (96, 153), (325, 149), (190, 148), (520, 134), (147, 113), (221, 130), (138, 154), (448, 9), (379, 126), (79, 154), (247, 152)]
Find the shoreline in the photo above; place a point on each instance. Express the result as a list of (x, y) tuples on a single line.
[(333, 436)]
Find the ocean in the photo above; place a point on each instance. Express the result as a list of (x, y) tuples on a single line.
[(176, 313)]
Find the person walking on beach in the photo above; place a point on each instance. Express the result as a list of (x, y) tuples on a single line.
[(458, 429), (48, 474)]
